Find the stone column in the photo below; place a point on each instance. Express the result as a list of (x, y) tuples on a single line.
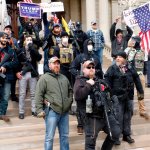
[(88, 13), (104, 18)]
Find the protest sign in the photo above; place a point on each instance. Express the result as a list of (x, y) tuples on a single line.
[(52, 7), (30, 10), (129, 18)]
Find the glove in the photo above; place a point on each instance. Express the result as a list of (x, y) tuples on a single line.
[(140, 96), (41, 115), (91, 81)]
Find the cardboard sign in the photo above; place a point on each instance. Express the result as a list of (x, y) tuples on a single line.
[(52, 7), (129, 18)]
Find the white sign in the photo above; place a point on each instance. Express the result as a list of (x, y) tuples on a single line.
[(129, 18), (52, 7)]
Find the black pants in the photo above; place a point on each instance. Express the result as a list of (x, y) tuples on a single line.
[(92, 127), (13, 88)]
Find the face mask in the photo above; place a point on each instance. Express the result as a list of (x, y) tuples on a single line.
[(90, 48), (65, 40), (28, 42)]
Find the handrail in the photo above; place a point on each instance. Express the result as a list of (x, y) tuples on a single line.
[(107, 51)]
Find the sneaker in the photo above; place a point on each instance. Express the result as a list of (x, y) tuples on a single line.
[(21, 116), (128, 139), (34, 114), (144, 115), (5, 118), (80, 130)]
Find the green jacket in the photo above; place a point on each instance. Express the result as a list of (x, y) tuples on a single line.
[(55, 89)]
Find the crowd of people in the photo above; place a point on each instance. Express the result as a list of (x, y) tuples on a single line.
[(73, 71)]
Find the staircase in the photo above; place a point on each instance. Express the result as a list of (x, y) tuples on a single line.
[(28, 134)]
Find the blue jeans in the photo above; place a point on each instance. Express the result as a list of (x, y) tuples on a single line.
[(99, 53), (5, 93), (52, 121)]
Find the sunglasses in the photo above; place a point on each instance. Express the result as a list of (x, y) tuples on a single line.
[(90, 67)]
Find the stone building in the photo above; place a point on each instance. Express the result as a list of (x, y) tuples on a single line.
[(104, 11)]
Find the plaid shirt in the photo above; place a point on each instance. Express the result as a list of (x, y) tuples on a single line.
[(97, 37)]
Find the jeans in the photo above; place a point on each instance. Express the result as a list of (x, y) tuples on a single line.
[(22, 92), (4, 97), (125, 116), (99, 53), (53, 120)]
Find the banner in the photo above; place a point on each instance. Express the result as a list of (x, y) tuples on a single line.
[(129, 18), (52, 7), (30, 10)]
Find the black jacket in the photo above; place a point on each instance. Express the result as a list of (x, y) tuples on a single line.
[(114, 44), (121, 84), (81, 91), (10, 64), (76, 64), (32, 65)]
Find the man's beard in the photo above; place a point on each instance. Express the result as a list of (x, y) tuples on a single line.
[(3, 43), (56, 70)]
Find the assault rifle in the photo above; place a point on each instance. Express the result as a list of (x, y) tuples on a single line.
[(75, 40), (101, 99)]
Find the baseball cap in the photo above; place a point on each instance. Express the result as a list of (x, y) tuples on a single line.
[(122, 54), (3, 34), (56, 25), (93, 22), (87, 63), (64, 33), (54, 59), (8, 26)]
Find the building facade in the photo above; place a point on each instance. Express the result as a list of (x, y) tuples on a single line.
[(104, 11)]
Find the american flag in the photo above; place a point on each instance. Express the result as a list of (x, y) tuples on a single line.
[(142, 15), (28, 1)]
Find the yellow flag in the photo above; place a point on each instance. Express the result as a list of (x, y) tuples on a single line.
[(65, 25)]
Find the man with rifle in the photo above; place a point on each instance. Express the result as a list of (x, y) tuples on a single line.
[(8, 62), (28, 57), (79, 36), (96, 109), (76, 69)]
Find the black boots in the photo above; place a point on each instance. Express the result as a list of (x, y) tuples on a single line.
[(128, 139)]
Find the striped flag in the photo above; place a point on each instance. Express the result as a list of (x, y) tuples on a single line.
[(28, 1), (142, 15), (145, 38)]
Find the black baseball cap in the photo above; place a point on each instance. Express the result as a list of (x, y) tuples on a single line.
[(8, 26)]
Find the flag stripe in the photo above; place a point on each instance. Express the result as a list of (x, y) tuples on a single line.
[(28, 1), (145, 38)]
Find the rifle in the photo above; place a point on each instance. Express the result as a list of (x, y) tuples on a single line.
[(101, 101), (75, 40)]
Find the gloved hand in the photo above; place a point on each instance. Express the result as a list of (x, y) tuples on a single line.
[(140, 96), (41, 114), (91, 81)]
